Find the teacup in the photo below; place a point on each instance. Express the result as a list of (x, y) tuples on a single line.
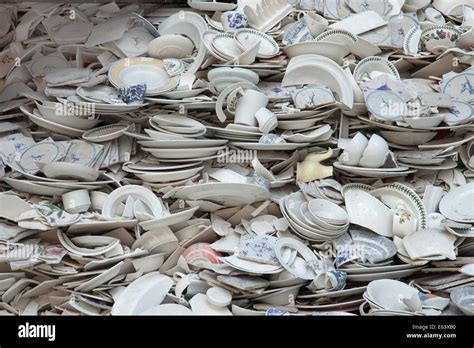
[(354, 149), (247, 106), (331, 280), (376, 152), (439, 38), (404, 222), (267, 120), (97, 199), (77, 201), (233, 20)]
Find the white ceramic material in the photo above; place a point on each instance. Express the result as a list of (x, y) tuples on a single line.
[(456, 205), (149, 71), (367, 211), (76, 201), (404, 223), (65, 170), (376, 152), (354, 149), (387, 294), (219, 297), (140, 193), (441, 244), (463, 297), (248, 105), (170, 46), (142, 294), (267, 120), (318, 70)]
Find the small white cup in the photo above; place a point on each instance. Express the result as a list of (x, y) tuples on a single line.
[(316, 24), (247, 106), (98, 199), (77, 201), (267, 120), (404, 222)]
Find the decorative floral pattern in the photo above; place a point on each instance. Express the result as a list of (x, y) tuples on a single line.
[(236, 20), (441, 34), (259, 248), (133, 93), (55, 216)]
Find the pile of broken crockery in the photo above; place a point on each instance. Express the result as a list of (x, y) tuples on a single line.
[(260, 158)]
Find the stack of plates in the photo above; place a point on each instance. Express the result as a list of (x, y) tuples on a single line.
[(220, 78), (358, 273), (399, 171), (294, 208), (52, 187), (177, 125), (428, 159), (317, 134), (174, 140), (237, 132), (328, 189), (221, 45), (164, 172)]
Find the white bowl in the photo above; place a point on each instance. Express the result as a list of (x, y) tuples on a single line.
[(65, 170), (66, 119), (324, 210), (170, 46), (387, 294), (323, 226), (424, 122), (376, 152), (353, 151), (227, 72), (407, 138), (463, 298)]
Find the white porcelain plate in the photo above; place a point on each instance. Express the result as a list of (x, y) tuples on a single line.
[(142, 70), (458, 204)]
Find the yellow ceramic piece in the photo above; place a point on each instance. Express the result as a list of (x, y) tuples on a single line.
[(311, 168)]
